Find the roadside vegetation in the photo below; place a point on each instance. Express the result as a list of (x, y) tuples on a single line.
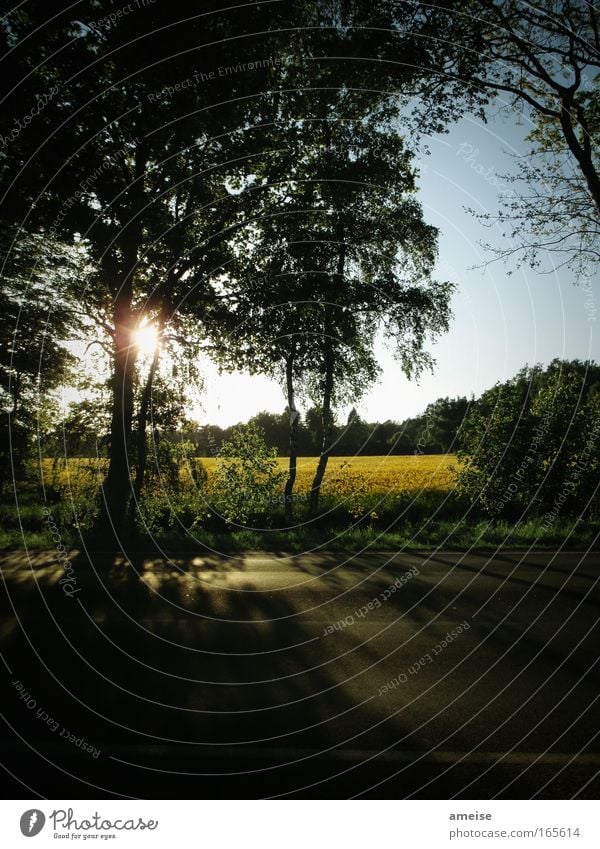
[(526, 474)]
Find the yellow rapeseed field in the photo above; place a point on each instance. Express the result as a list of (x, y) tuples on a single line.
[(373, 475), (345, 475)]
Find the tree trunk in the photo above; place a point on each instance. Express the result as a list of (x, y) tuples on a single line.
[(116, 488), (329, 363), (326, 416), (294, 419), (117, 484), (142, 424)]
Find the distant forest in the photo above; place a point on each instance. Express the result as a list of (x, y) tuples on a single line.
[(447, 426), (433, 432)]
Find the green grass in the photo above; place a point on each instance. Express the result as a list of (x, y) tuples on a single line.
[(430, 518), (449, 535)]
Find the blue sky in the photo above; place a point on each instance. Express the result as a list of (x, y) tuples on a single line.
[(501, 321)]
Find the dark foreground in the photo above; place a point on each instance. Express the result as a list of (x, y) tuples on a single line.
[(303, 676)]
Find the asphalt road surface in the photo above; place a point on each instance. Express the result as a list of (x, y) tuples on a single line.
[(435, 675)]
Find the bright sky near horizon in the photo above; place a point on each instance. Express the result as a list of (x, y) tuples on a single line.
[(501, 321)]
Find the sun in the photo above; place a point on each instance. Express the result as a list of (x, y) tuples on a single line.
[(146, 339)]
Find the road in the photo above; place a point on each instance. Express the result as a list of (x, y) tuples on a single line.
[(434, 675)]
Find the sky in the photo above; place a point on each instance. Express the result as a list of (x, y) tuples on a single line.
[(501, 321)]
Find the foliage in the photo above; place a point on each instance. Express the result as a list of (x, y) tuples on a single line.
[(33, 358), (124, 138), (436, 431), (548, 215), (543, 59), (171, 469), (247, 481), (81, 432), (71, 486), (530, 445), (170, 522)]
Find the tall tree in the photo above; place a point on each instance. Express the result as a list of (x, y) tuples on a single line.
[(269, 325), (375, 255)]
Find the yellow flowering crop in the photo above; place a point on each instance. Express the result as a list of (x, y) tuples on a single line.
[(346, 477)]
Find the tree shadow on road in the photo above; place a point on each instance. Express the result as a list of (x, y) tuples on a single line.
[(178, 670)]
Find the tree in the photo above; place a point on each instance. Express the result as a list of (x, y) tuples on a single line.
[(548, 210), (163, 395), (354, 437), (436, 431), (350, 254), (310, 434), (33, 356), (275, 429), (375, 254), (544, 58), (82, 432), (447, 416), (530, 445), (266, 327), (304, 122)]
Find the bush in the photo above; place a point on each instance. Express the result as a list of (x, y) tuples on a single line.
[(172, 466), (247, 482), (531, 444)]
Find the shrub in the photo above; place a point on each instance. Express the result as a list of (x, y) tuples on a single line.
[(171, 466), (531, 444), (247, 483)]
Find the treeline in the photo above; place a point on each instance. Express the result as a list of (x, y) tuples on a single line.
[(433, 432)]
